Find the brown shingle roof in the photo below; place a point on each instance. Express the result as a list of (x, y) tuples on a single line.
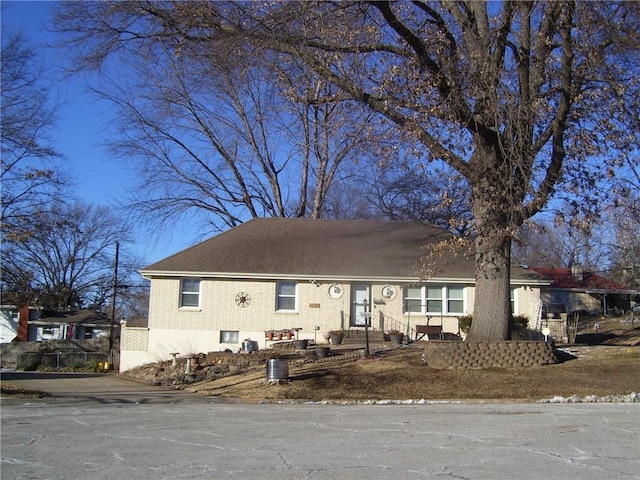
[(83, 316), (306, 248)]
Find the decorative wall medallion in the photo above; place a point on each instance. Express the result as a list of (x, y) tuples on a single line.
[(336, 290), (243, 299), (388, 292)]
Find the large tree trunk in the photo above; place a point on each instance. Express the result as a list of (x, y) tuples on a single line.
[(493, 206), (492, 305)]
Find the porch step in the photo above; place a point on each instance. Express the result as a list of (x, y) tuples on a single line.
[(357, 337)]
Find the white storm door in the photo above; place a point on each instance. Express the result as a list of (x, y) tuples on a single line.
[(360, 304)]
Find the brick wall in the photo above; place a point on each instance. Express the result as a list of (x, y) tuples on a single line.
[(134, 339)]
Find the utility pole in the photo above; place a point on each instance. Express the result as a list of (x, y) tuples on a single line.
[(113, 305)]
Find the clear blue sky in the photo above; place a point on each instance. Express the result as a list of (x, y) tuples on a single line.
[(82, 127)]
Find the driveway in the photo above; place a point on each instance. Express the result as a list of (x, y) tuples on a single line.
[(93, 388)]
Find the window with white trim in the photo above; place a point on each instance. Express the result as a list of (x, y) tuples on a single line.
[(413, 300), (190, 292), (435, 300), (455, 299), (229, 336), (286, 296)]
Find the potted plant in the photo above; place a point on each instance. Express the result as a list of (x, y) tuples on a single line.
[(336, 337), (321, 352), (396, 337)]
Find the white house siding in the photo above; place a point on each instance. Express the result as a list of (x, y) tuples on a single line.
[(528, 304), (172, 329), (8, 323), (189, 330), (134, 348), (574, 300)]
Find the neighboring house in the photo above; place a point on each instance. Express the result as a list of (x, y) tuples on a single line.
[(9, 318), (307, 276), (576, 290), (68, 325), (14, 321)]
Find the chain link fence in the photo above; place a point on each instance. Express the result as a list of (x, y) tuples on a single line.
[(60, 360)]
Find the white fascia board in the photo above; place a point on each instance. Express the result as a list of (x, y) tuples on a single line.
[(612, 292), (531, 283), (150, 274), (601, 291)]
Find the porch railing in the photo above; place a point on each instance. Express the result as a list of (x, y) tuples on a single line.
[(383, 323)]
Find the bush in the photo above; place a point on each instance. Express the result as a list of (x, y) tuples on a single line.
[(465, 323), (520, 321)]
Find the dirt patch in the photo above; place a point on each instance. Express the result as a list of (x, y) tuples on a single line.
[(11, 390)]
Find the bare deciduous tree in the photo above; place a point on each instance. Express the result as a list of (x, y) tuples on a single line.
[(624, 219), (68, 259), (412, 193), (226, 137), (28, 170), (521, 98), (561, 244)]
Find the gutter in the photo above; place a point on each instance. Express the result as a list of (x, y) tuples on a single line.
[(150, 274)]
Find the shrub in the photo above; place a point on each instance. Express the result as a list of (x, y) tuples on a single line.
[(520, 321), (465, 323)]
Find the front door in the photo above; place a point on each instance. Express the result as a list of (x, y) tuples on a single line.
[(360, 304)]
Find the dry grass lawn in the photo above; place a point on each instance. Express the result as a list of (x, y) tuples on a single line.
[(611, 367), (602, 363), (401, 374)]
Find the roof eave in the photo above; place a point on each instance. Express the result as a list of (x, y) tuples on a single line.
[(614, 291), (596, 290), (149, 274)]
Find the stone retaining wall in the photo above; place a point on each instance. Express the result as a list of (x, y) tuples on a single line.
[(444, 355)]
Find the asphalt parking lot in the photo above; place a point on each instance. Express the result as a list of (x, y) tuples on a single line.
[(135, 431)]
